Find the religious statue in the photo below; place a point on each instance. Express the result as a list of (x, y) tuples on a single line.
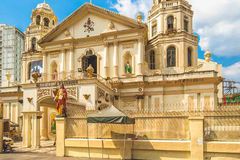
[(90, 71), (55, 75), (128, 68), (60, 97)]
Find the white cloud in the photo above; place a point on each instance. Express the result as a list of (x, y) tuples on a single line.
[(130, 8), (216, 21), (232, 72)]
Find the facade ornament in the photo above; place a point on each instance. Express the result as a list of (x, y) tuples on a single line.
[(36, 76), (30, 99), (139, 17), (208, 56), (89, 26), (90, 71), (86, 96), (67, 33), (111, 26)]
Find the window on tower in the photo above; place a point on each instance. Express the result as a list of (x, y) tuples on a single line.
[(34, 44), (171, 57), (46, 22), (38, 19), (154, 30), (186, 25), (189, 57), (152, 64), (170, 22)]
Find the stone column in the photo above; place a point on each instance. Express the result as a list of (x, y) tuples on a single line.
[(71, 63), (63, 65), (45, 67), (105, 61), (60, 136), (36, 129), (197, 141), (140, 56), (26, 130), (115, 59), (44, 123)]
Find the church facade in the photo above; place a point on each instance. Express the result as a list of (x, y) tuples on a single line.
[(150, 67)]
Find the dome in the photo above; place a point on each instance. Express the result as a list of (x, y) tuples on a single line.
[(44, 5)]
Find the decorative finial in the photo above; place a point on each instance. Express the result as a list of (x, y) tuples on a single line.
[(208, 56), (139, 17)]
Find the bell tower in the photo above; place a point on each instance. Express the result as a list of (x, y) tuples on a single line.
[(43, 20), (171, 37)]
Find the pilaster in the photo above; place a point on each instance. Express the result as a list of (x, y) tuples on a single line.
[(71, 62), (140, 56), (44, 66), (63, 65), (105, 61), (115, 59)]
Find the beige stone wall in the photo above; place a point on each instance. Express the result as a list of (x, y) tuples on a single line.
[(157, 136)]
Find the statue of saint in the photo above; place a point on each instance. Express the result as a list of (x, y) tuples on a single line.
[(90, 71), (61, 101), (128, 68)]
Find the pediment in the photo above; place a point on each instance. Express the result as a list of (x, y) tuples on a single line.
[(89, 21)]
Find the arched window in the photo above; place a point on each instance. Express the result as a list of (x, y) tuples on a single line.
[(46, 22), (53, 22), (171, 57), (189, 55), (152, 64), (34, 44), (170, 22), (38, 19)]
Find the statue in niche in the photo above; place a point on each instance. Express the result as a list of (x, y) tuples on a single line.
[(128, 68), (90, 71), (55, 75)]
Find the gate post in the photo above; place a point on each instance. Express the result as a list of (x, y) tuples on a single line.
[(197, 138), (60, 136)]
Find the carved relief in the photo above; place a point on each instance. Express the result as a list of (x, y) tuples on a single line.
[(72, 91), (44, 93), (89, 26)]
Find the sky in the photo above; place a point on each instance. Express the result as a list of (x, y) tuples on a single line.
[(216, 22)]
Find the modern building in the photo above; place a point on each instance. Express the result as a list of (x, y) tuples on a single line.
[(11, 49)]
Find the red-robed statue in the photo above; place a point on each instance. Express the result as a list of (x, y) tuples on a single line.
[(60, 97)]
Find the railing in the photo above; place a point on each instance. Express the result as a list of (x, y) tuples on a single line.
[(221, 124), (70, 76)]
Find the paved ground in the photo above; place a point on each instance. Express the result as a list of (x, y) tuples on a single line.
[(45, 152), (32, 156)]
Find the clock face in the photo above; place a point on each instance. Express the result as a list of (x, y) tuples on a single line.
[(89, 26)]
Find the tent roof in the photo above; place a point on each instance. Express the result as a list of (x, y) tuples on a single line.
[(110, 115)]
